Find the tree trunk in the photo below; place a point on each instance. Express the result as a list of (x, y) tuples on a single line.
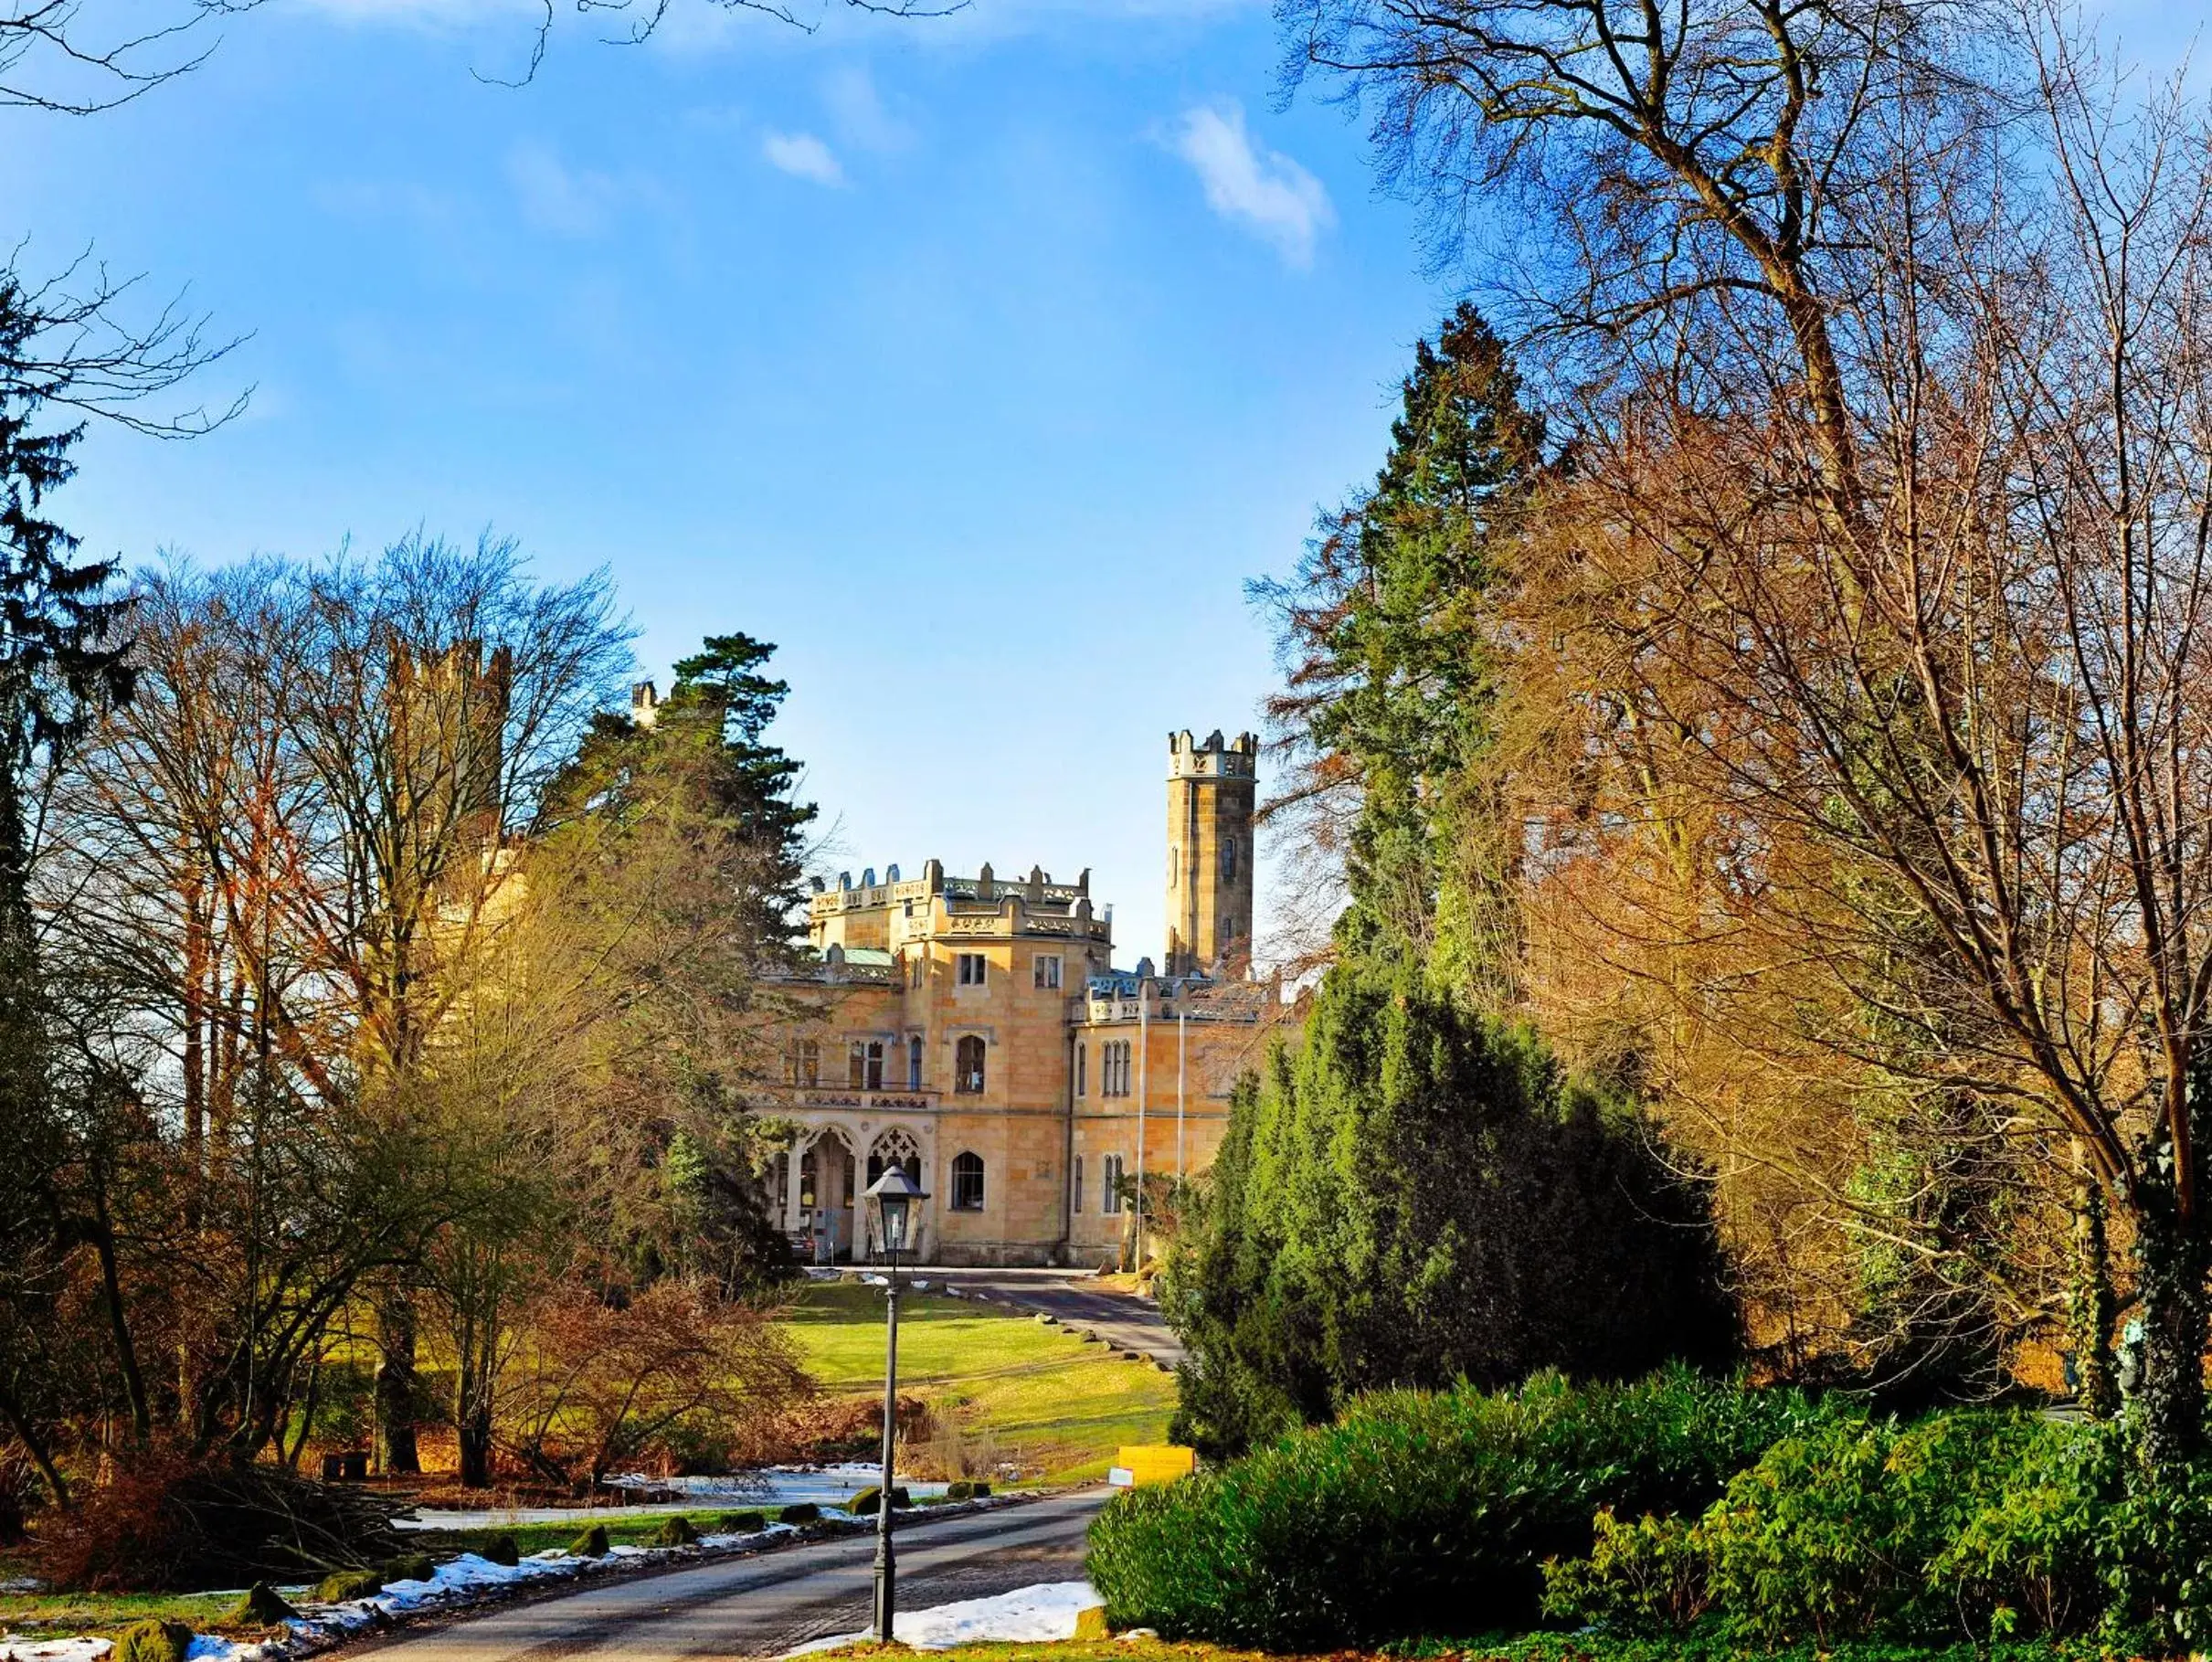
[(475, 1433), (396, 1384), (2169, 1264), (2092, 1307)]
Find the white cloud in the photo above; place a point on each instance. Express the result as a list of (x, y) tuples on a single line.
[(1252, 184), (566, 201), (858, 112), (803, 156)]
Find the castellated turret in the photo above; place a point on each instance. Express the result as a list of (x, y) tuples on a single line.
[(1211, 791)]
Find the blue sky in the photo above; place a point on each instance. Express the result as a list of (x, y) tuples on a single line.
[(978, 362)]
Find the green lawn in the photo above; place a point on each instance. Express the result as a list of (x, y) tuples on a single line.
[(106, 1614), (1043, 1397)]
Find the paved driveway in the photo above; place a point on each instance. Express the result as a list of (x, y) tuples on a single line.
[(1124, 1320), (765, 1604)]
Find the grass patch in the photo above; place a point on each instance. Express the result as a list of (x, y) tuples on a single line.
[(1057, 1407), (107, 1613)]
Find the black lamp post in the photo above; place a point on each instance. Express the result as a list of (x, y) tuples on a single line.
[(894, 1194)]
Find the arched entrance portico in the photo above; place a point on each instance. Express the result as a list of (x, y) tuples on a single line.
[(827, 1190)]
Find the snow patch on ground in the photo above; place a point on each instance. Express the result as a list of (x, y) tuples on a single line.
[(462, 1581), (54, 1650), (1027, 1616)]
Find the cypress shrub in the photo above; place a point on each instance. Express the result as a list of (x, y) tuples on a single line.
[(864, 1504), (409, 1567), (502, 1550), (742, 1523), (591, 1543), (800, 1511), (676, 1532), (1419, 1194)]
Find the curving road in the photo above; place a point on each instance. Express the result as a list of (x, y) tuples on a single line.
[(1123, 1319), (769, 1603)]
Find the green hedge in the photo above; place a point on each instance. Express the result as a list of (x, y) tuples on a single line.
[(1421, 1514), (1973, 1526)]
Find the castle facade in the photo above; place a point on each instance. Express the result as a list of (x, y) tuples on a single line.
[(976, 1031)]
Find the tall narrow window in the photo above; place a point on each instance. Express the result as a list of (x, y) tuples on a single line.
[(809, 1062), (1229, 856), (913, 1062), (1113, 1069), (967, 1182), (1083, 1058), (865, 1066), (1045, 969), (972, 967), (1109, 1184), (967, 1066), (1075, 1187)]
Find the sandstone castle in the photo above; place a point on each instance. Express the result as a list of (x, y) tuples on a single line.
[(974, 1030)]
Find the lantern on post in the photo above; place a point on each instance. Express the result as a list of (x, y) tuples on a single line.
[(894, 1196)]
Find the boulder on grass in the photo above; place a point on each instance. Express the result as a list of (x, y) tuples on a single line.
[(502, 1550), (742, 1523), (344, 1586), (591, 1543), (1091, 1624), (864, 1504), (409, 1567), (263, 1606), (153, 1641), (676, 1532), (800, 1511)]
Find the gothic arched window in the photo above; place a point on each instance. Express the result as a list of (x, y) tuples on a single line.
[(967, 1182)]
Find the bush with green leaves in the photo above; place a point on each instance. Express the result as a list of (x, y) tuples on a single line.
[(800, 1511), (1422, 1513), (1975, 1526), (502, 1550), (741, 1523)]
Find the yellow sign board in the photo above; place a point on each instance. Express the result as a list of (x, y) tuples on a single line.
[(1145, 1463)]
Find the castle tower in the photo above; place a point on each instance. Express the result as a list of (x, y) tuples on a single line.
[(1211, 789)]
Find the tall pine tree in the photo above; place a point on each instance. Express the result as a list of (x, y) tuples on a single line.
[(1415, 1192)]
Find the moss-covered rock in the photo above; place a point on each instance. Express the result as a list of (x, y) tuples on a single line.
[(153, 1641), (502, 1550), (409, 1567), (742, 1523), (677, 1531), (344, 1586), (263, 1606), (1091, 1624), (591, 1543), (864, 1504), (800, 1511)]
